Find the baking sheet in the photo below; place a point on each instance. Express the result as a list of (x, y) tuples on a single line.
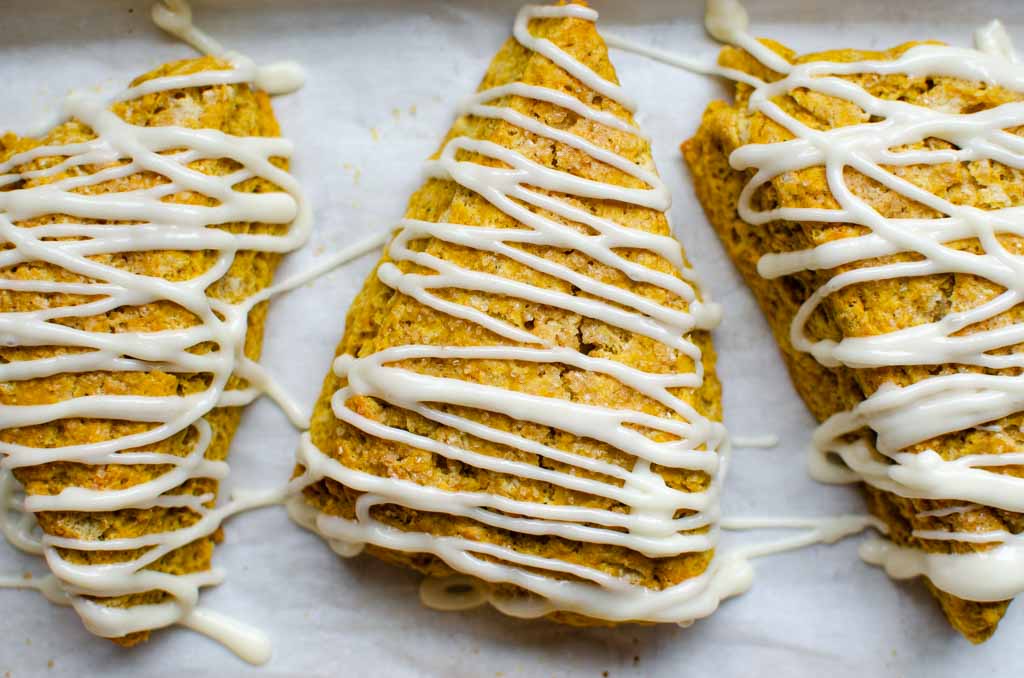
[(383, 80)]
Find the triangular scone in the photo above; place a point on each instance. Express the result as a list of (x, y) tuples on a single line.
[(519, 460), (56, 391), (875, 307)]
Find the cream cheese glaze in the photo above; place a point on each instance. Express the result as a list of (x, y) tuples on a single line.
[(903, 416), (650, 527), (157, 225)]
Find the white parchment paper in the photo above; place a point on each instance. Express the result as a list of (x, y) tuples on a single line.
[(383, 80)]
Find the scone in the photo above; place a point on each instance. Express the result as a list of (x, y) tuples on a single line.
[(135, 237), (525, 393), (869, 276)]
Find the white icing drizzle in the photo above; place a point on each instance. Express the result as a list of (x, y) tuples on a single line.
[(47, 585), (816, 530), (157, 225), (985, 576), (461, 592), (948, 511), (175, 17), (323, 267), (18, 526), (904, 416), (762, 441), (650, 526), (706, 65)]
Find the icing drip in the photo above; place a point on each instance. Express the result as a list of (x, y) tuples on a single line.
[(247, 642), (904, 416), (650, 526), (155, 225), (17, 525)]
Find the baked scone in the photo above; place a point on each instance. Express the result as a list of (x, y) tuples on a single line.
[(525, 392), (135, 238), (880, 288)]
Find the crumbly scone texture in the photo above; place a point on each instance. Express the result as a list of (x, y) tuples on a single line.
[(233, 109), (381, 317), (875, 307)]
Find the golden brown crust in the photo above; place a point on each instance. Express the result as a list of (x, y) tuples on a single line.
[(234, 109), (380, 318), (872, 308)]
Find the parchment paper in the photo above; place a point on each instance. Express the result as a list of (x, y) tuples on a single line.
[(383, 80)]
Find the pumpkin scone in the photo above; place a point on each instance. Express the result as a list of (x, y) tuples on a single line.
[(869, 200), (136, 234), (524, 405)]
